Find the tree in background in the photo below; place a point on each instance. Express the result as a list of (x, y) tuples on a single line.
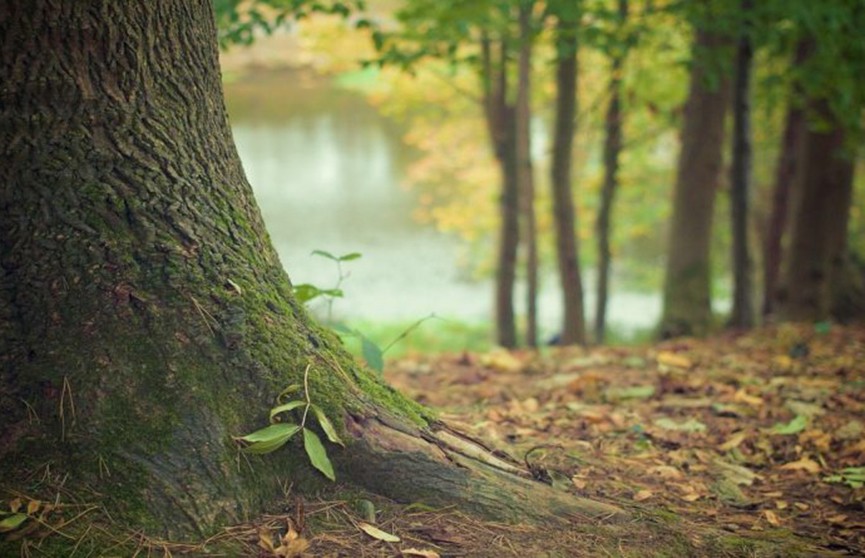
[(687, 282), (742, 313), (525, 172), (566, 45), (612, 151), (144, 315)]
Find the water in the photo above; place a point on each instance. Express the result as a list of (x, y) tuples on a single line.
[(327, 172)]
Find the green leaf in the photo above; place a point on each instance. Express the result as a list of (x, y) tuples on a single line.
[(288, 391), (326, 425), (12, 522), (306, 292), (317, 454), (351, 256), (795, 426), (372, 354), (324, 254), (269, 438), (285, 407)]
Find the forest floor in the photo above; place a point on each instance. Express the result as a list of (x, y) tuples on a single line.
[(760, 436), (734, 446)]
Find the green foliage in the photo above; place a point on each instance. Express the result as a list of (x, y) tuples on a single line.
[(854, 477), (282, 428), (240, 21)]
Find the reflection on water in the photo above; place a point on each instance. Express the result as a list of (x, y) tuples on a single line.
[(326, 171)]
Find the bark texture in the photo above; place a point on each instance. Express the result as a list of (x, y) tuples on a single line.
[(145, 317), (687, 305), (564, 211)]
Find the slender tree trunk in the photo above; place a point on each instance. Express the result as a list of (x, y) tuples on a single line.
[(501, 125), (526, 174), (822, 198), (687, 305), (785, 173), (794, 130), (144, 315), (612, 150), (742, 315), (564, 212)]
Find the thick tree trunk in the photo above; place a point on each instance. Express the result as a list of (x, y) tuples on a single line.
[(526, 173), (144, 315), (501, 125), (564, 212), (687, 305), (612, 150), (823, 192), (742, 314)]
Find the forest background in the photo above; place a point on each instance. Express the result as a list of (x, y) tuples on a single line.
[(623, 191)]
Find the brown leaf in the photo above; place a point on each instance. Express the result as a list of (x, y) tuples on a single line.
[(733, 441), (805, 464), (419, 552), (772, 518), (643, 495), (673, 360)]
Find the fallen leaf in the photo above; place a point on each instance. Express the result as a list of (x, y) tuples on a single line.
[(772, 518), (673, 360), (690, 425), (421, 553), (795, 426), (742, 396), (836, 519), (377, 533), (781, 504), (733, 441), (643, 495), (805, 464)]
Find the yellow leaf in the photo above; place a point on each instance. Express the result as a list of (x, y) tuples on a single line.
[(837, 519), (782, 363), (692, 497), (32, 507), (265, 539), (781, 504), (742, 396), (733, 441), (579, 483), (377, 533), (805, 464), (642, 495), (667, 358), (772, 518), (15, 505)]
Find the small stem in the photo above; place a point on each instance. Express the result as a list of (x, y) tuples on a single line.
[(306, 395)]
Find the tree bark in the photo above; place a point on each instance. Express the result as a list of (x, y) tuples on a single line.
[(612, 150), (564, 212), (687, 305), (526, 173), (501, 125), (144, 315), (822, 197), (742, 314)]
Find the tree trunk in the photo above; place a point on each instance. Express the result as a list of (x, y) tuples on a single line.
[(144, 315), (526, 174), (785, 173), (742, 315), (687, 306), (564, 213), (612, 150), (501, 125), (822, 197), (794, 129)]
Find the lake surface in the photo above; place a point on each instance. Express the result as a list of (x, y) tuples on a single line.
[(328, 172)]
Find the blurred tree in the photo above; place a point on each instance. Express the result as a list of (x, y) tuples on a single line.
[(612, 151), (566, 45), (742, 314), (687, 304), (144, 314)]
